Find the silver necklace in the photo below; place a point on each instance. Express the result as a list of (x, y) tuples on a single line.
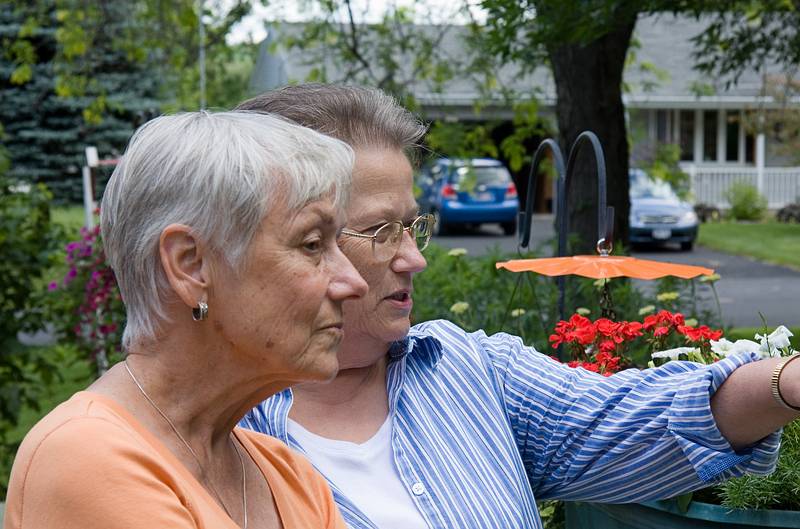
[(194, 454)]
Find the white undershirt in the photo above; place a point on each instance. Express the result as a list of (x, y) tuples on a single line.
[(366, 474)]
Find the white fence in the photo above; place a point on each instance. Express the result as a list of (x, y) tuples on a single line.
[(781, 185)]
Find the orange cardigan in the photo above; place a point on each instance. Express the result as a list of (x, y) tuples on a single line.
[(90, 464)]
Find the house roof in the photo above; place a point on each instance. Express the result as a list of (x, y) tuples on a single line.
[(665, 47)]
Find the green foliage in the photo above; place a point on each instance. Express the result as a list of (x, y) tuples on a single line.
[(34, 380), (748, 35), (51, 115), (85, 306), (651, 75), (746, 202), (28, 242), (457, 139), (473, 293), (663, 165), (392, 54), (780, 490), (78, 73)]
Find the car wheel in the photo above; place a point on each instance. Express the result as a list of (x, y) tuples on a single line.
[(687, 246), (509, 228), (439, 227)]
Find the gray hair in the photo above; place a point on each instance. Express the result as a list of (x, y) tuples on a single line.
[(358, 115), (218, 173)]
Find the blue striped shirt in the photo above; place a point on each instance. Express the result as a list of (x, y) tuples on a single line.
[(484, 425)]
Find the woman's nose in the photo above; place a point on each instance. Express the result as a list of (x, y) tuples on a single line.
[(347, 283)]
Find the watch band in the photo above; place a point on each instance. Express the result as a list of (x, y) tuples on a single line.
[(776, 381)]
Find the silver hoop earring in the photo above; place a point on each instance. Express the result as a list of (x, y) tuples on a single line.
[(200, 312)]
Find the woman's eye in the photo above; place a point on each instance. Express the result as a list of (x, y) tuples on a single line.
[(313, 245)]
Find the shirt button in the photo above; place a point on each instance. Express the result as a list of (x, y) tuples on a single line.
[(418, 489)]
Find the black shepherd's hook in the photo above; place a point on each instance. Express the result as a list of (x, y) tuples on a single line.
[(605, 214), (526, 217)]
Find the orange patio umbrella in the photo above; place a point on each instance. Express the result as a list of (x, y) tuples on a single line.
[(604, 266)]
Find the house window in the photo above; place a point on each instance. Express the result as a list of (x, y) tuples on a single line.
[(662, 126), (686, 124), (732, 140), (710, 136), (749, 148)]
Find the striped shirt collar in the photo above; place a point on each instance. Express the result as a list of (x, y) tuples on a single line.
[(420, 343)]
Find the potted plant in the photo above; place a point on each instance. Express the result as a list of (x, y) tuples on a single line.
[(606, 346)]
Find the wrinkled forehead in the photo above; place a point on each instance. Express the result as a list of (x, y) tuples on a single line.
[(382, 185)]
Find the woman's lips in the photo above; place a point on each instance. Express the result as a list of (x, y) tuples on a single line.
[(400, 299)]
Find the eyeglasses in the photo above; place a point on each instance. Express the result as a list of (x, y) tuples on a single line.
[(386, 239)]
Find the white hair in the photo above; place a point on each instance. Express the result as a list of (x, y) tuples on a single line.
[(218, 173)]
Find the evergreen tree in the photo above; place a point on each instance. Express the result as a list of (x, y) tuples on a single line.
[(47, 122)]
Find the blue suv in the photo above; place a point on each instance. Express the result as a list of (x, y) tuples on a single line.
[(471, 192)]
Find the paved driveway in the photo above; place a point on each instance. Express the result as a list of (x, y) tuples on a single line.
[(746, 287)]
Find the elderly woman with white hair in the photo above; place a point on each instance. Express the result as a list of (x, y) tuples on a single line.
[(221, 229)]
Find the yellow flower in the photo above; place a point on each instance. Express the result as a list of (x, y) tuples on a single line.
[(457, 252), (516, 313), (583, 311), (709, 278), (600, 283), (649, 309), (667, 296), (459, 307)]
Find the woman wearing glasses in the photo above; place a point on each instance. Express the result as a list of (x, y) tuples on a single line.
[(432, 426)]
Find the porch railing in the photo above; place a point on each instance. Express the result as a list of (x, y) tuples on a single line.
[(781, 185)]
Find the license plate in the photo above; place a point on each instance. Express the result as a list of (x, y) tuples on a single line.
[(662, 234), (484, 197)]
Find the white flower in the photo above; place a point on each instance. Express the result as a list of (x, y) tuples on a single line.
[(583, 311), (673, 354), (457, 252), (459, 307), (724, 347), (648, 309), (690, 322), (516, 313), (667, 296), (777, 340)]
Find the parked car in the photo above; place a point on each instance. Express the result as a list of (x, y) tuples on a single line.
[(468, 192), (658, 215)]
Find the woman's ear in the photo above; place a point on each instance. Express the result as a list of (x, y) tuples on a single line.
[(186, 263)]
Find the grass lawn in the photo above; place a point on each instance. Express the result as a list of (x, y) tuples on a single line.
[(772, 242), (70, 217)]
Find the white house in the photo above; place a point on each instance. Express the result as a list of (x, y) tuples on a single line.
[(667, 102)]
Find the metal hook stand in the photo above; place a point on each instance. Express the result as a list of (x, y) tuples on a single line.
[(605, 214)]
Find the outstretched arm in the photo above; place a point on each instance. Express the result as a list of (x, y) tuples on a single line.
[(744, 408)]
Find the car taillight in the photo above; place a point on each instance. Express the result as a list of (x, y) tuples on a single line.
[(449, 192), (511, 191)]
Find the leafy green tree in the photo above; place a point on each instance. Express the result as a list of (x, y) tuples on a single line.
[(586, 42), (77, 73), (47, 123)]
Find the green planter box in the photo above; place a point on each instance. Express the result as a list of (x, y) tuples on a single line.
[(665, 514)]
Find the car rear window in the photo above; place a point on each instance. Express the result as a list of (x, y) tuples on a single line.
[(488, 176), (644, 187)]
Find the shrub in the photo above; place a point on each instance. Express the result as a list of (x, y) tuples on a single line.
[(471, 292), (28, 242), (85, 305), (789, 213), (746, 202), (779, 490)]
